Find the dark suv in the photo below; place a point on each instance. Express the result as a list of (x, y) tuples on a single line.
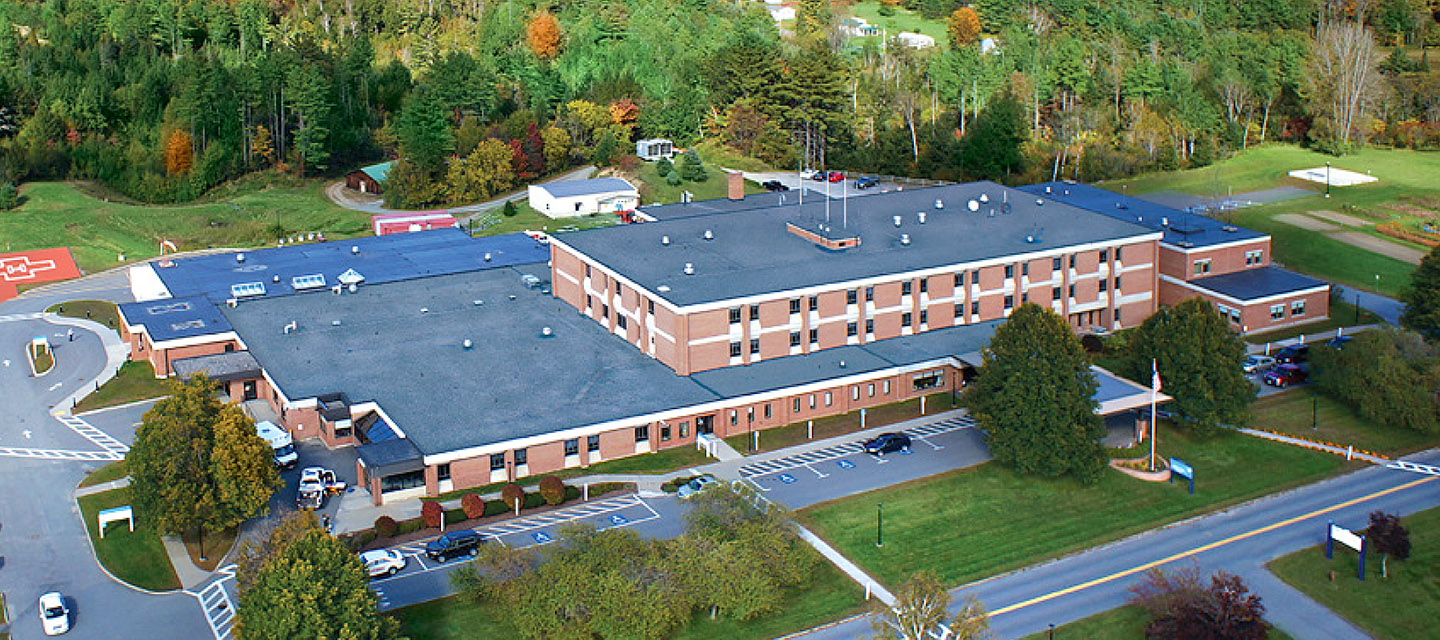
[(887, 443), (454, 543), (1293, 354)]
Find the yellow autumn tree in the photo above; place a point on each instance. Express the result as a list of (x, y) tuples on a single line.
[(179, 152), (543, 35), (963, 27), (262, 145)]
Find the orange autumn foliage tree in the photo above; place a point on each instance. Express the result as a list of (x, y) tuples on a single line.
[(543, 35), (624, 112), (964, 27), (179, 152)]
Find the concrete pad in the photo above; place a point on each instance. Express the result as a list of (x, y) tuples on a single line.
[(1382, 247), (1305, 222), (1339, 218)]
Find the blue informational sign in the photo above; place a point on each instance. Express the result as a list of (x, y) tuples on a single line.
[(618, 519), (541, 537), (845, 464), (1180, 468), (787, 478)]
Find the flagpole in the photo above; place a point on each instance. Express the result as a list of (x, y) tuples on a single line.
[(1154, 419)]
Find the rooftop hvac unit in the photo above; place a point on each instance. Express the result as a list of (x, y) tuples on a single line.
[(973, 206)]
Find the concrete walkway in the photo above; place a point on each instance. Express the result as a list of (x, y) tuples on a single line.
[(190, 575), (116, 353), (102, 487), (1308, 338), (1347, 452), (872, 586)]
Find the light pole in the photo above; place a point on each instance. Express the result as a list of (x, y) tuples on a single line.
[(1314, 410), (1327, 178), (1357, 308), (879, 523), (1052, 631)]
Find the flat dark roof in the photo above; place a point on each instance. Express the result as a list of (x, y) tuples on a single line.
[(219, 367), (1256, 283), (1180, 228), (380, 259), (752, 252), (175, 318)]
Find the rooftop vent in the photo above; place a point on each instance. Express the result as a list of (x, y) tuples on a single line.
[(545, 332), (709, 235), (905, 239), (1039, 202), (972, 206), (467, 344), (478, 303), (842, 364), (1067, 192), (530, 281), (293, 326), (352, 287), (689, 269), (984, 198), (424, 309), (512, 297), (232, 303), (355, 249), (275, 278), (1164, 222), (1030, 239), (665, 240), (1230, 228), (897, 221), (664, 288), (1121, 205), (921, 217), (240, 257), (1186, 244), (939, 204), (334, 323)]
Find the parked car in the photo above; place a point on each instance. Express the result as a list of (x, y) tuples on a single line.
[(1293, 354), (54, 615), (819, 176), (695, 486), (836, 176), (1285, 375), (887, 443), (455, 543), (1257, 363), (1338, 342), (382, 562), (865, 182), (774, 185)]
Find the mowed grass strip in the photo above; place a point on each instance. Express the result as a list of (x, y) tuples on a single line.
[(968, 524), (1406, 605), (1291, 413), (137, 558), (135, 381), (101, 311), (1125, 623)]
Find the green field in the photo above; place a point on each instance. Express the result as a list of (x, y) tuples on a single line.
[(1058, 516), (113, 471), (1125, 623), (135, 381), (100, 311), (653, 188), (57, 214), (1404, 176), (1291, 413), (829, 596), (902, 20), (1403, 606), (137, 558)]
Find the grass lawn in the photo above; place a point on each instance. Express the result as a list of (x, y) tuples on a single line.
[(113, 471), (830, 595), (1125, 623), (135, 381), (1290, 412), (526, 218), (137, 558), (1342, 314), (43, 359), (653, 188), (217, 544), (100, 311), (903, 20), (831, 426), (1405, 605), (1059, 515), (239, 214)]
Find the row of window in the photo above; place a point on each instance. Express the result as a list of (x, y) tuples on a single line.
[(1252, 258), (1277, 311)]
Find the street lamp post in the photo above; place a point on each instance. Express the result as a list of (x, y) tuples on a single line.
[(1357, 308), (879, 523), (1327, 178), (1314, 410), (1052, 631)]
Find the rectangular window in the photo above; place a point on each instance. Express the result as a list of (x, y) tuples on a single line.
[(814, 303), (1117, 311), (1009, 271), (794, 338), (767, 411), (905, 288), (812, 401), (1055, 264), (754, 312), (1104, 255), (924, 285), (795, 406), (850, 297), (589, 302), (855, 392), (850, 329), (869, 326), (1025, 269), (587, 271), (1104, 284), (795, 305), (1009, 302), (1072, 261), (604, 311), (735, 315), (814, 336), (1117, 258), (828, 399), (650, 307), (572, 447), (959, 280), (620, 321), (754, 345), (975, 308), (497, 461), (1202, 267), (642, 434), (592, 443), (959, 309), (1072, 291), (1253, 258), (442, 472), (885, 387), (1117, 283), (1055, 293), (1277, 312), (870, 390), (750, 415), (904, 320), (402, 481), (734, 349), (734, 417), (685, 429), (522, 456), (975, 277), (924, 317), (869, 294), (1025, 297), (1297, 308), (664, 433)]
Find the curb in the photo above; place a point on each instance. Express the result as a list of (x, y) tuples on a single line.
[(90, 544), (127, 405)]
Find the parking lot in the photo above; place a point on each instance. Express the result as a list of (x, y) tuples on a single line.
[(795, 181)]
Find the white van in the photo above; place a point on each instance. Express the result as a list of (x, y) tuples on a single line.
[(280, 441)]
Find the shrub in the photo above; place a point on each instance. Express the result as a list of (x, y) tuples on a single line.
[(409, 526), (664, 166), (602, 488), (571, 493), (432, 513), (455, 515), (9, 196), (552, 489), (672, 485), (385, 527), (510, 493), (495, 507), (509, 209), (473, 505), (533, 500), (628, 163), (673, 179)]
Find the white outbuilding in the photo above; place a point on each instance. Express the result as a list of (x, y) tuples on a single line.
[(584, 197)]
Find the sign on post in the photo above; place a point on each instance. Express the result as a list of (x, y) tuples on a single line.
[(116, 514), (1335, 533), (1181, 468)]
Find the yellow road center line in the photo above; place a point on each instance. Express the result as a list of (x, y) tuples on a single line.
[(1201, 549)]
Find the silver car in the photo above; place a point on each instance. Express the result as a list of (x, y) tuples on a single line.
[(1257, 363), (382, 562), (695, 486)]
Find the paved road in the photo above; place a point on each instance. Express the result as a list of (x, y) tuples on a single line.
[(1387, 308), (1240, 540)]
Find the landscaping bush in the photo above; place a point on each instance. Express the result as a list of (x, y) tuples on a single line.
[(663, 167), (509, 209), (409, 526), (552, 489), (602, 488), (510, 493), (533, 500), (385, 527), (571, 493), (473, 505), (671, 486), (455, 515), (432, 513), (496, 507)]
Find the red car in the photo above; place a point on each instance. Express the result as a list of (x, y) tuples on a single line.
[(836, 176), (1285, 375)]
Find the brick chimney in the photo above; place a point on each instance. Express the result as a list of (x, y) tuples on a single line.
[(735, 181)]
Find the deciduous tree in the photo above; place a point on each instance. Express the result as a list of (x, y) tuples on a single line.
[(1199, 361), (1181, 609), (963, 27), (556, 143), (1387, 376), (543, 35), (179, 152), (1390, 537), (1422, 298), (487, 171), (1034, 397)]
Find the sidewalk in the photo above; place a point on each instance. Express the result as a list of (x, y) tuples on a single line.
[(1348, 452), (1307, 338), (116, 353), (190, 575)]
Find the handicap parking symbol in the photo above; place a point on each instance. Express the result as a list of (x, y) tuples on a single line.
[(787, 478), (619, 519), (541, 537), (845, 464)]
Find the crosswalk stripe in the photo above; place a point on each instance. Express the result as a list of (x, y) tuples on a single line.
[(829, 453)]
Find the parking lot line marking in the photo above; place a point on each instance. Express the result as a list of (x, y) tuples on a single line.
[(817, 471)]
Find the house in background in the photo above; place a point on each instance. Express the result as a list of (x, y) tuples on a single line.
[(369, 179), (584, 197), (915, 40), (654, 149), (857, 27)]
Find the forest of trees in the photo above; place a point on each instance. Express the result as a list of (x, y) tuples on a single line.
[(163, 99)]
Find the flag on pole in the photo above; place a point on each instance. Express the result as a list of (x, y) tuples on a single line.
[(1154, 377), (166, 244)]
